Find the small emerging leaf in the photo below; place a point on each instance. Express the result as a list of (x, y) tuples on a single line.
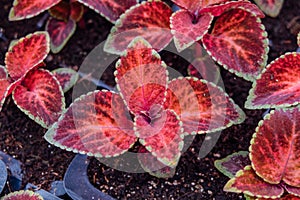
[(66, 77), (22, 195), (77, 11), (60, 11), (230, 165), (270, 7)]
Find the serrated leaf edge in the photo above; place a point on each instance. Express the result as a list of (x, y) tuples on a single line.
[(73, 80), (22, 192)]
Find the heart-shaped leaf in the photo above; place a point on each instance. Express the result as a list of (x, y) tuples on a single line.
[(110, 9), (247, 182), (141, 76), (275, 147), (154, 167), (203, 107), (23, 195), (26, 54), (194, 6), (186, 30), (161, 134), (40, 97), (67, 77), (25, 9), (60, 32), (278, 85), (233, 163), (270, 7), (150, 20), (245, 53), (3, 175), (217, 10), (97, 124), (292, 190)]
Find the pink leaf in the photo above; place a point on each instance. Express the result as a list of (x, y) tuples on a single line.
[(60, 32), (4, 84), (110, 9), (270, 7), (96, 124), (203, 107), (22, 195), (186, 31), (26, 8), (292, 190), (141, 77), (150, 20), (274, 149), (66, 77), (195, 6), (245, 53), (26, 54), (60, 11), (3, 72), (40, 97), (217, 10), (290, 197), (77, 11), (278, 85), (161, 133), (247, 182)]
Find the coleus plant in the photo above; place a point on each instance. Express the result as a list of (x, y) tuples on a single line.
[(22, 195), (270, 7), (237, 39), (62, 25), (147, 107), (37, 92), (274, 154)]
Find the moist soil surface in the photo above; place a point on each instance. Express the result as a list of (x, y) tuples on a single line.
[(195, 178)]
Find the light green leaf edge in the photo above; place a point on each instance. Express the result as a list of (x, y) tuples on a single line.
[(108, 47), (177, 43), (272, 13), (264, 57), (252, 96), (39, 120), (298, 39), (73, 80), (23, 192), (218, 163), (49, 135)]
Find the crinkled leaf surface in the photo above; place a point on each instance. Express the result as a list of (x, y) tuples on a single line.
[(154, 167), (247, 182), (195, 6), (292, 190), (275, 147), (26, 54), (161, 133), (76, 181), (186, 31), (270, 7), (230, 165), (150, 20), (60, 32), (141, 77), (110, 9), (26, 8), (40, 97), (96, 124), (22, 195), (244, 53), (278, 85), (3, 175), (67, 77), (203, 107)]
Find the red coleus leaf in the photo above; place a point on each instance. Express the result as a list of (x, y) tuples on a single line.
[(40, 97), (292, 190), (233, 163), (245, 53), (285, 197), (195, 6), (203, 107), (66, 77), (290, 197), (77, 11), (150, 20), (26, 54), (3, 72), (60, 32), (217, 10), (274, 149), (26, 8), (141, 76), (60, 11), (110, 9), (247, 182), (278, 85), (154, 167), (186, 30), (161, 133), (22, 195), (270, 7), (96, 124)]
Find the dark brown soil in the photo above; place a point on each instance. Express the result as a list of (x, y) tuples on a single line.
[(194, 179)]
